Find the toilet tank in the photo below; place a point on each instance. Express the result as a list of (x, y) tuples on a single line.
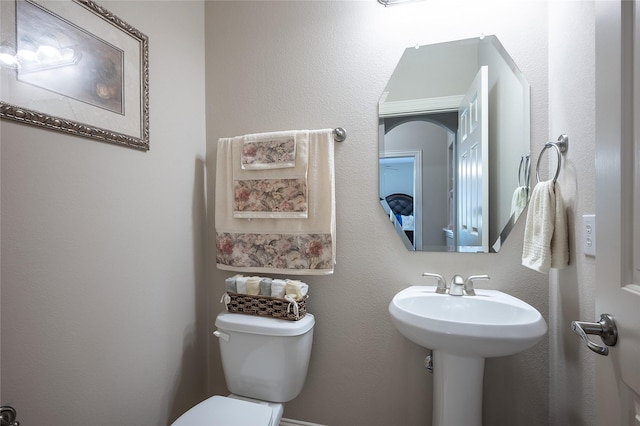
[(265, 358)]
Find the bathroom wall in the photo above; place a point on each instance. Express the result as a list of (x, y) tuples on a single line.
[(104, 301), (283, 65), (572, 290), (104, 308)]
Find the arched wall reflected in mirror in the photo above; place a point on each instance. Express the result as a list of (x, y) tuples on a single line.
[(454, 141)]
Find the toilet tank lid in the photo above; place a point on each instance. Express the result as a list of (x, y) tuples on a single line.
[(264, 325)]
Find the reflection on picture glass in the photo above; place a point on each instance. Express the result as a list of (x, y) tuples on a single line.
[(58, 56)]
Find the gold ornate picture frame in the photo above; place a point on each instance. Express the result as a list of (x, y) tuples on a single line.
[(74, 67)]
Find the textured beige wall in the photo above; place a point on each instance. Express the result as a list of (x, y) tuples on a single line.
[(293, 65), (103, 298), (103, 304), (572, 111)]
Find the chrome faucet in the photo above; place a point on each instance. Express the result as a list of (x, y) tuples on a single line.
[(441, 287), (458, 286)]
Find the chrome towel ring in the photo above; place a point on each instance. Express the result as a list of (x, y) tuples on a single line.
[(561, 147)]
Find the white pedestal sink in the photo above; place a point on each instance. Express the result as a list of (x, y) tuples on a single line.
[(462, 331)]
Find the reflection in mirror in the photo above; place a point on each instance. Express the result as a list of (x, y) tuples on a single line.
[(454, 146)]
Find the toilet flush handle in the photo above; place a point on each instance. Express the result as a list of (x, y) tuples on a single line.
[(221, 335)]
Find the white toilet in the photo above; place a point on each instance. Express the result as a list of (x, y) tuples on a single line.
[(265, 363)]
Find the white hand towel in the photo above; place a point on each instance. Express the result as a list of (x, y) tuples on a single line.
[(546, 242), (296, 289), (278, 288), (241, 284)]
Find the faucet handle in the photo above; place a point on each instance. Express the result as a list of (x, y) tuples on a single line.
[(468, 284), (442, 284)]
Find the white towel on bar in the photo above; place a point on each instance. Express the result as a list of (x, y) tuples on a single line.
[(546, 242), (285, 245)]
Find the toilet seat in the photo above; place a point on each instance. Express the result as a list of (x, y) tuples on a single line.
[(222, 411)]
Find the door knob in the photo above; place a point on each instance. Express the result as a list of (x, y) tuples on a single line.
[(605, 328), (8, 416)]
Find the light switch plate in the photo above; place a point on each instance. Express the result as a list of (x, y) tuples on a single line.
[(589, 234)]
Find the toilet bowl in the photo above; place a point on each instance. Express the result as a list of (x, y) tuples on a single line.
[(265, 362)]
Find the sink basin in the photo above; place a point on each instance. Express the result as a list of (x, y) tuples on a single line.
[(489, 324), (462, 331)]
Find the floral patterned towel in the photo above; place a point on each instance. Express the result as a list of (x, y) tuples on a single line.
[(264, 240), (270, 198), (263, 186), (269, 153), (275, 252)]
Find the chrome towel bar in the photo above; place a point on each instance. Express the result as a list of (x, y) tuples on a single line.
[(339, 134)]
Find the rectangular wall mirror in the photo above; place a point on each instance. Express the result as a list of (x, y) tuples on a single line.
[(454, 146)]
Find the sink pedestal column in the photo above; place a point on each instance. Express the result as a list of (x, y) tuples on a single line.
[(457, 389)]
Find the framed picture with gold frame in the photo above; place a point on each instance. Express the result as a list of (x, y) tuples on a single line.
[(72, 66)]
